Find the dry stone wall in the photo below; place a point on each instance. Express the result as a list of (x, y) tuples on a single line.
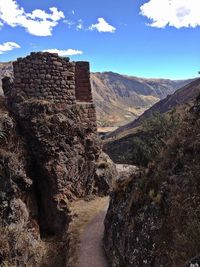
[(45, 76), (83, 86)]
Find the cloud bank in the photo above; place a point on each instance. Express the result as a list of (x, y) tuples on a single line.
[(8, 47), (175, 13), (62, 53), (102, 26), (38, 22)]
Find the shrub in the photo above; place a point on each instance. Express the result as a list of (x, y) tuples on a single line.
[(155, 131)]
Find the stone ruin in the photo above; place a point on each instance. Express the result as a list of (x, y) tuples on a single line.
[(51, 101), (46, 76)]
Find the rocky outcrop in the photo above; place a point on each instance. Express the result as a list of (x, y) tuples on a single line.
[(48, 158), (20, 236), (153, 217), (195, 262), (64, 152), (6, 69), (106, 174)]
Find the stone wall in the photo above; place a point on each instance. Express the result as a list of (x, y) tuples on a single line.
[(45, 76), (87, 114), (83, 86)]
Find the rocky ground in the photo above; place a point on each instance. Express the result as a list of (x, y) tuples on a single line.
[(153, 217), (48, 159)]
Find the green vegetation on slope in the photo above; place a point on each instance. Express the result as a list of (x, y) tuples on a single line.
[(143, 146)]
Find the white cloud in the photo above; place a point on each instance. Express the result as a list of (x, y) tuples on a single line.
[(69, 23), (38, 22), (102, 26), (8, 47), (176, 13), (62, 53), (80, 26)]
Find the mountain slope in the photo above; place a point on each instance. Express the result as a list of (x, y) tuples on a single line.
[(182, 96), (120, 99), (140, 141), (153, 217)]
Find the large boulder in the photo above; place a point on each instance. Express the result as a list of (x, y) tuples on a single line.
[(106, 174)]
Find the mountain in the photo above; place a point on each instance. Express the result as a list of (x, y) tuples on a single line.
[(181, 97), (120, 99), (140, 141)]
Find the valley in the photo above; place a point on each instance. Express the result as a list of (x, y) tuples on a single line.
[(71, 203)]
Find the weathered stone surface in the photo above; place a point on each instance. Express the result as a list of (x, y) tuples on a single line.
[(65, 163), (194, 262), (49, 151), (106, 174), (64, 151), (153, 217)]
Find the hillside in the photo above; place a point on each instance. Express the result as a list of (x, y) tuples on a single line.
[(127, 143), (120, 99), (153, 217)]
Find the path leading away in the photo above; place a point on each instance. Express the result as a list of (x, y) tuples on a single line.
[(91, 252), (86, 232)]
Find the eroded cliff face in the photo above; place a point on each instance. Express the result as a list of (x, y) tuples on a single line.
[(153, 218), (64, 152), (20, 235), (49, 157)]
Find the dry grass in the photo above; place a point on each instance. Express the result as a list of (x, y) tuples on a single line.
[(83, 212)]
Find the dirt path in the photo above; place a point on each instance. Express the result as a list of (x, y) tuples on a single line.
[(91, 251), (86, 232)]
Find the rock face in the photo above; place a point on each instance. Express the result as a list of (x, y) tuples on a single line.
[(6, 69), (20, 235), (106, 174), (153, 218), (53, 151)]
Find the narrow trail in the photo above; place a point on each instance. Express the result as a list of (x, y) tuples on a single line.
[(91, 250), (86, 231)]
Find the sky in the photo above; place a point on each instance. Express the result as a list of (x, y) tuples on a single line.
[(145, 38)]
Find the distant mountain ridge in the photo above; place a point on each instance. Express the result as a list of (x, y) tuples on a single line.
[(130, 143), (120, 98), (180, 97)]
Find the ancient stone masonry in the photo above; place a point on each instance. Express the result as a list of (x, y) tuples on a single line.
[(49, 77), (45, 76), (83, 87), (50, 98)]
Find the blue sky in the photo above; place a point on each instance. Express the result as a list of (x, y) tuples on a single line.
[(147, 38)]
